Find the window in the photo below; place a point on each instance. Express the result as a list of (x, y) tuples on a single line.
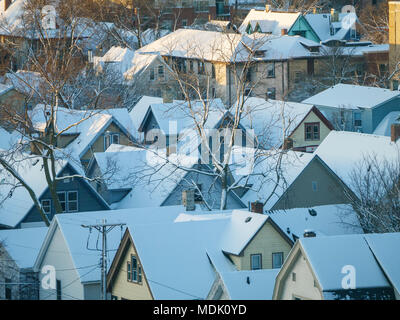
[(62, 200), (72, 201), (271, 93), (212, 71), (191, 66), (197, 192), (184, 23), (46, 206), (271, 70), (161, 72), (314, 186), (152, 74), (277, 260), (298, 75), (58, 289), (293, 276), (201, 6), (201, 67), (357, 119), (311, 131), (213, 93), (255, 261), (110, 138), (134, 270), (300, 33), (8, 290)]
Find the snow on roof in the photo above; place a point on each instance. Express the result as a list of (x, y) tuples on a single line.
[(383, 246), (352, 97), (265, 117), (87, 124), (242, 226), (328, 256), (139, 111), (148, 174), (16, 206), (324, 220), (118, 58), (139, 64), (269, 22), (12, 17), (4, 88), (345, 151), (250, 285), (8, 139), (23, 245), (76, 237), (263, 177), (384, 127)]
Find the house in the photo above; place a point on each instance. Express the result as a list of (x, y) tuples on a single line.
[(355, 108), (394, 41), (84, 132), (116, 61), (302, 124), (318, 27), (137, 178), (328, 268), (75, 193), (236, 241), (69, 248), (18, 252), (328, 177), (12, 102)]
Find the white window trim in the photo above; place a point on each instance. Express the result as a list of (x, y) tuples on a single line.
[(41, 204), (77, 201)]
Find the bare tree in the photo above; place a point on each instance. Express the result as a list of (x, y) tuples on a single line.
[(374, 21), (376, 198)]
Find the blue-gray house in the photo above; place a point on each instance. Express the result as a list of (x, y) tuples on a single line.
[(75, 194), (355, 108)]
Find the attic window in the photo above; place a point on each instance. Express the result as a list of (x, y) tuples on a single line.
[(248, 219)]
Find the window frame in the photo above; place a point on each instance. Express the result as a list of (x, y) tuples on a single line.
[(277, 253), (68, 201), (273, 70), (130, 270), (251, 260), (42, 206), (65, 200), (312, 125), (58, 289)]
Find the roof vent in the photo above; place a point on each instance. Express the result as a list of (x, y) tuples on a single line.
[(312, 212), (288, 230), (248, 219), (248, 280), (309, 234)]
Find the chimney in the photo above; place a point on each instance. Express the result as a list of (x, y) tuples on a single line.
[(395, 132), (314, 11), (287, 144), (167, 96), (267, 8), (283, 32), (334, 15), (257, 207), (309, 234), (188, 200)]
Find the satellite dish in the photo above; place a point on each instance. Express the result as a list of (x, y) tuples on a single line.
[(348, 9)]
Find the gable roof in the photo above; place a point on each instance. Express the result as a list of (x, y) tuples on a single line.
[(384, 127), (265, 117), (383, 246), (328, 263), (344, 151), (352, 97), (269, 22), (140, 109), (23, 245)]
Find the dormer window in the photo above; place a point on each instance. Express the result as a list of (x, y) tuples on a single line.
[(110, 138)]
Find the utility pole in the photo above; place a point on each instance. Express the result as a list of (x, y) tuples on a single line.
[(104, 228)]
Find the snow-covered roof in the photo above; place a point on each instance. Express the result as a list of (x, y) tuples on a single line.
[(87, 124), (329, 255), (117, 58), (218, 46), (352, 97), (345, 151), (325, 220), (250, 284), (384, 127), (16, 206), (269, 22), (23, 245), (263, 175), (139, 111), (383, 247), (4, 88), (321, 24), (151, 178), (76, 237), (139, 63), (8, 139), (265, 117)]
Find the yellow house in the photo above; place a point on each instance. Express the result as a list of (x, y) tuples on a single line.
[(180, 260), (329, 268)]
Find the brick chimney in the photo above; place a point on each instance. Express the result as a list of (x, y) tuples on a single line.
[(287, 144), (267, 8), (257, 207), (395, 132), (188, 200), (284, 32)]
